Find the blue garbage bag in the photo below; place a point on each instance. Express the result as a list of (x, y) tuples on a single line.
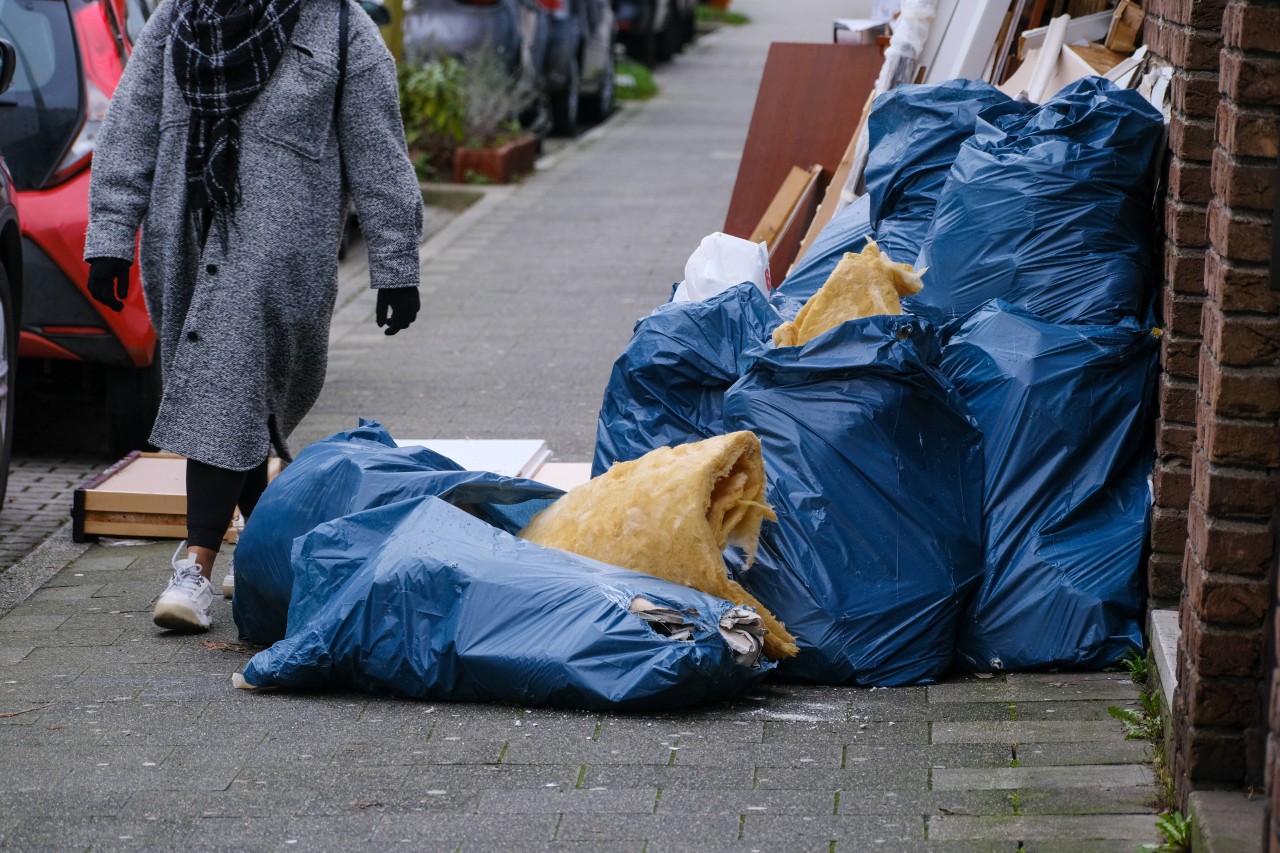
[(1049, 208), (420, 599), (874, 469), (667, 387), (345, 473), (846, 232), (913, 134), (1065, 412)]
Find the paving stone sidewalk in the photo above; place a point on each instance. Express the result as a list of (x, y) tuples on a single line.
[(114, 734)]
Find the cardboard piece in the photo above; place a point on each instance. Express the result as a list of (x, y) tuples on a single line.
[(143, 496), (783, 251), (778, 213), (800, 117), (1126, 24)]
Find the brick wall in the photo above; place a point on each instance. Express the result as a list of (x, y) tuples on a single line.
[(1213, 541), (1188, 35)]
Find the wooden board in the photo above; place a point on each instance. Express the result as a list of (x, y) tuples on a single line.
[(508, 457), (778, 213), (806, 110), (783, 251), (1126, 24), (564, 475), (143, 496)]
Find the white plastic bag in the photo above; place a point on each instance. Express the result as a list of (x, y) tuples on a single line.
[(720, 262)]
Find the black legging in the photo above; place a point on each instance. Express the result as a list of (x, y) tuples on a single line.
[(212, 496)]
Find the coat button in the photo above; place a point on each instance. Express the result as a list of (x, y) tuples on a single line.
[(212, 269), (193, 337)]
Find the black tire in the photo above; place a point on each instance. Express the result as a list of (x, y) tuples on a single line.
[(133, 398), (565, 104), (668, 41), (599, 105), (8, 375)]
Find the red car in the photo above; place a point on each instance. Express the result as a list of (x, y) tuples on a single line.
[(71, 54)]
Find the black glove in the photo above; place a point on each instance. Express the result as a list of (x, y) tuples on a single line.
[(397, 308), (109, 281)]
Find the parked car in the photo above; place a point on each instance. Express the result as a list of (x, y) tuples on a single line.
[(10, 279), (578, 74), (71, 54), (655, 30), (516, 30)]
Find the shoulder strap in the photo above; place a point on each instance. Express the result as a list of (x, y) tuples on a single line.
[(343, 13)]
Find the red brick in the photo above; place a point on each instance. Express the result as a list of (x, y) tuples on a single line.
[(1172, 485), (1239, 340), (1248, 133), (1240, 287), (1180, 355), (1223, 598), (1155, 35), (1164, 577), (1178, 402), (1191, 138), (1226, 652), (1243, 184), (1252, 27), (1182, 313), (1184, 268), (1241, 235), (1195, 93), (1190, 181), (1194, 49), (1221, 701), (1250, 79), (1175, 441), (1228, 550), (1239, 441), (1209, 754), (1231, 491), (1250, 392), (1168, 529)]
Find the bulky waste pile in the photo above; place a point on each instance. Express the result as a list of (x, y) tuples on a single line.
[(927, 450)]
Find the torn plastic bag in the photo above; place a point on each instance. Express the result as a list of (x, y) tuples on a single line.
[(914, 133), (355, 470), (1049, 208), (420, 599), (667, 387), (875, 473), (846, 232), (1065, 412)]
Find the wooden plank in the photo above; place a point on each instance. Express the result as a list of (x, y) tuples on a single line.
[(1126, 23), (784, 251), (778, 213), (564, 475), (831, 196), (803, 115)]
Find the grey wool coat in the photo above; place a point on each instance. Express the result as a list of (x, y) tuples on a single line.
[(244, 333)]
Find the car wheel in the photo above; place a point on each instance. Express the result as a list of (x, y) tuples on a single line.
[(133, 398), (565, 103), (8, 373), (668, 40), (600, 105)]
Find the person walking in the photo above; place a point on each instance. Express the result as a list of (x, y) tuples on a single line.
[(234, 139)]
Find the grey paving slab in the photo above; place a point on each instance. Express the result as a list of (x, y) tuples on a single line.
[(1024, 732), (667, 777), (1096, 752), (1079, 776), (1063, 828)]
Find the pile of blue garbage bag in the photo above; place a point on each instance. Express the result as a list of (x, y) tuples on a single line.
[(407, 579), (964, 486)]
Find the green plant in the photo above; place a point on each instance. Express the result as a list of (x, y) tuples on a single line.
[(492, 100), (710, 16), (1137, 666), (433, 111), (1176, 830), (1145, 722), (634, 82)]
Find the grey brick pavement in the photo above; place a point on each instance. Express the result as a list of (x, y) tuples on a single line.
[(114, 734), (39, 500)]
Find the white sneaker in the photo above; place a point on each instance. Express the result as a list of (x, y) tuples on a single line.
[(229, 582), (187, 604)]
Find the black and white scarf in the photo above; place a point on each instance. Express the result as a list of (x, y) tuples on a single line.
[(224, 53)]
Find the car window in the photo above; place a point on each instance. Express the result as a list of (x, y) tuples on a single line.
[(40, 113)]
